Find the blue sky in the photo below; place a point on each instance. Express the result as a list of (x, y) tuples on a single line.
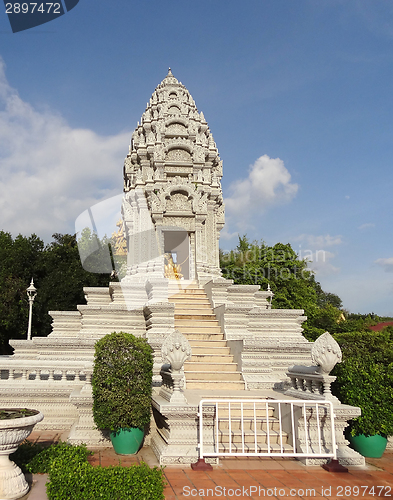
[(298, 95)]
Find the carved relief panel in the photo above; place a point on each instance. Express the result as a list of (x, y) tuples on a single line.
[(178, 202), (178, 155)]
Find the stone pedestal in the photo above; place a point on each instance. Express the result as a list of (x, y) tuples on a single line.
[(175, 440), (84, 429), (345, 455)]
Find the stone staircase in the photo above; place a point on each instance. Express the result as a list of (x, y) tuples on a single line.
[(211, 365)]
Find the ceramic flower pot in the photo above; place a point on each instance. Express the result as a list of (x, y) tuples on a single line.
[(369, 446), (127, 441), (13, 431)]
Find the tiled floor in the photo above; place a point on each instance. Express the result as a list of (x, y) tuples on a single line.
[(254, 478)]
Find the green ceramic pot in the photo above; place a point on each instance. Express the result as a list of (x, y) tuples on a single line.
[(127, 441), (369, 446)]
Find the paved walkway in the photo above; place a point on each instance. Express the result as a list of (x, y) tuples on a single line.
[(249, 478)]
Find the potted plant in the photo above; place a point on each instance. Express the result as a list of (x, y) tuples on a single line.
[(16, 425), (365, 379), (122, 387)]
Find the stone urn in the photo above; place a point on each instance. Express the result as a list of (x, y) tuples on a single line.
[(15, 426)]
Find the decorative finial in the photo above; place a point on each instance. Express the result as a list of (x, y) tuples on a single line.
[(326, 353), (176, 349), (169, 72)]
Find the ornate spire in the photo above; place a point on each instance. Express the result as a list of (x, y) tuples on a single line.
[(170, 79), (174, 161), (172, 131)]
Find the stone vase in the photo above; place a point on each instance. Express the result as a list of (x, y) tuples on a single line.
[(13, 484)]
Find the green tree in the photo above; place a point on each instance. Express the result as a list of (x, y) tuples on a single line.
[(365, 379), (20, 260), (292, 282), (58, 276), (61, 286)]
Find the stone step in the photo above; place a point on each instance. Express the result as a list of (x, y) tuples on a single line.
[(248, 424), (194, 292), (214, 337), (216, 385), (198, 366), (250, 448), (212, 375), (212, 351), (207, 327), (249, 437), (211, 356), (200, 328), (199, 314), (191, 317), (191, 306), (211, 361), (206, 344), (248, 412)]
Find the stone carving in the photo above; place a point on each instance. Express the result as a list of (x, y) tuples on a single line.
[(200, 205), (220, 217), (179, 169), (177, 181), (186, 223), (176, 350), (178, 155), (128, 165), (176, 129), (155, 203), (12, 432), (174, 110), (178, 202), (199, 154), (326, 353), (149, 174), (159, 153)]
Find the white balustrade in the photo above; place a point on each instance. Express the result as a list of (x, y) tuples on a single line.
[(29, 371)]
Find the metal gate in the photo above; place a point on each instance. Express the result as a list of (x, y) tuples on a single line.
[(266, 428)]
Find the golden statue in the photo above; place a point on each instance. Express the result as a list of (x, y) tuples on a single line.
[(119, 243), (172, 270)]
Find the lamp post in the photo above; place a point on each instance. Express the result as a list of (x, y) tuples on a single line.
[(31, 294)]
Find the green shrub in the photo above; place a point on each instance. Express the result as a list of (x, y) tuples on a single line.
[(78, 480), (365, 379), (33, 457), (122, 382), (25, 453), (72, 477)]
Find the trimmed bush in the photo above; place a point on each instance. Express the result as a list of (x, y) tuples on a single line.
[(33, 457), (122, 382), (365, 379), (80, 481), (72, 477)]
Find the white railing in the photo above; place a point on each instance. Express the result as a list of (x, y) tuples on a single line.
[(41, 371), (266, 428)]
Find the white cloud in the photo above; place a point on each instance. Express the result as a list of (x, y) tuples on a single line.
[(268, 183), (386, 264), (227, 235), (367, 225), (51, 172), (319, 261), (319, 242), (313, 249)]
